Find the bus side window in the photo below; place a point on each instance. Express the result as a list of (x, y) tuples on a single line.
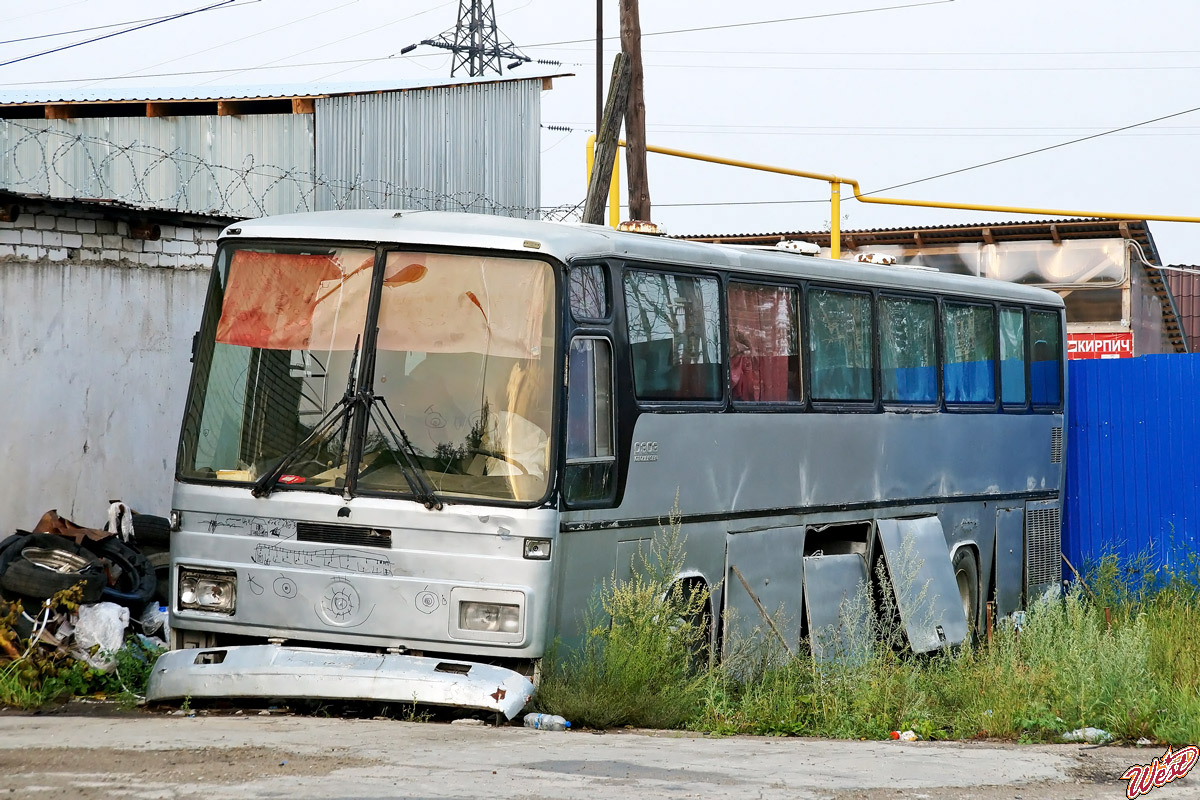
[(968, 365), (764, 344), (588, 292), (591, 452), (1045, 368), (1012, 356), (908, 350), (674, 336), (840, 330)]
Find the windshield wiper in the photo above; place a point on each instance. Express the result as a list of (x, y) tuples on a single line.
[(421, 488), (339, 413)]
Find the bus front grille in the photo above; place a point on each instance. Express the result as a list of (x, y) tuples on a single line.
[(343, 534)]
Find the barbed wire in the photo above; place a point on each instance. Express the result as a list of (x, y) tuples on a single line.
[(73, 165)]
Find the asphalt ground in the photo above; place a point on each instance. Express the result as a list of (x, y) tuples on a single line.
[(159, 756)]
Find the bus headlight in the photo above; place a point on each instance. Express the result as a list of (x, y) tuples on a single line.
[(497, 617), (205, 590)]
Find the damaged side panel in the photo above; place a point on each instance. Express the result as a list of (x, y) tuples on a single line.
[(918, 565)]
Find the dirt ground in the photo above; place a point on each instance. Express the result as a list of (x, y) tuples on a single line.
[(155, 756)]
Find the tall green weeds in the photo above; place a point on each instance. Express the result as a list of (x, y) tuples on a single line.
[(1119, 651)]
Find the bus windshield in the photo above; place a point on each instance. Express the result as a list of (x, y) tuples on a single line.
[(458, 387)]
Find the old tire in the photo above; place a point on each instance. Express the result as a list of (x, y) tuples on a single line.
[(136, 584), (26, 574), (149, 530), (161, 562), (966, 575)]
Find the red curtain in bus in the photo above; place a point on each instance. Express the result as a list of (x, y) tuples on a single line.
[(762, 336), (272, 299)]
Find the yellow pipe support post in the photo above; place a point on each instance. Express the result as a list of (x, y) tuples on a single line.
[(835, 220), (614, 188), (614, 194)]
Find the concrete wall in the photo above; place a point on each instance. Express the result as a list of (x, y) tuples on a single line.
[(95, 339)]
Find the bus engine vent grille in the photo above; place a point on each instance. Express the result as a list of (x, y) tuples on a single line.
[(1056, 445), (343, 534), (1043, 545)]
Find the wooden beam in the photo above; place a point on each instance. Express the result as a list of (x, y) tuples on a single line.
[(606, 141), (547, 84), (303, 105), (1054, 234), (1123, 227), (228, 108), (919, 241), (58, 112), (156, 110), (988, 238)]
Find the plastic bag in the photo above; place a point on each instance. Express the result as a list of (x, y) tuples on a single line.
[(100, 624)]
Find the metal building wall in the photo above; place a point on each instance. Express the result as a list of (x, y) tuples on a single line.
[(246, 166), (1133, 450), (461, 148)]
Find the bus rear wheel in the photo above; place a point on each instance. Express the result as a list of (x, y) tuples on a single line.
[(966, 575)]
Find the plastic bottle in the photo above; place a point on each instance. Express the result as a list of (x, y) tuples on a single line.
[(546, 722)]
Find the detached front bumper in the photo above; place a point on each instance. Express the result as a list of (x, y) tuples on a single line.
[(275, 671)]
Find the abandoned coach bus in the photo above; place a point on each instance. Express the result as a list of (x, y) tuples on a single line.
[(415, 444)]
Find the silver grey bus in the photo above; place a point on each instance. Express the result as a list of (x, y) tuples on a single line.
[(416, 442)]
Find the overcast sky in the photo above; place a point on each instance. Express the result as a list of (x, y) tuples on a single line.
[(899, 93)]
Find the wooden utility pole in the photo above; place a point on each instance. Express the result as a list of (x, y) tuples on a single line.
[(599, 64), (635, 114), (606, 141)]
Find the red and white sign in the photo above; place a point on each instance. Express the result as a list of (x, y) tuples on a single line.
[(1100, 345)]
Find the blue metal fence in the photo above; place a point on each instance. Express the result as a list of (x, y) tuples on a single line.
[(1133, 459)]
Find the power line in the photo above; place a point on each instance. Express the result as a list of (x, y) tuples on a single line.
[(951, 172), (751, 24), (105, 27), (1033, 152), (94, 80), (117, 33), (134, 74)]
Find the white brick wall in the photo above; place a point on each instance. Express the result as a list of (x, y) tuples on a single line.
[(63, 234)]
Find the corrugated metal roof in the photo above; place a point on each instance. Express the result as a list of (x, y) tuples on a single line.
[(271, 91), (130, 209), (1185, 288), (1025, 230)]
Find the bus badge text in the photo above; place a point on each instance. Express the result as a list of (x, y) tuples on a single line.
[(645, 451)]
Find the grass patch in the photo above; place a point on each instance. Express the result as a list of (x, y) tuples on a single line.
[(39, 675), (1121, 654)]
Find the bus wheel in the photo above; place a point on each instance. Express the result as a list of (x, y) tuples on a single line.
[(698, 620), (966, 575)]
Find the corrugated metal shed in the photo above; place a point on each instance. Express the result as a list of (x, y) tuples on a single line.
[(468, 148), (1185, 287), (1133, 487), (259, 150), (230, 166)]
